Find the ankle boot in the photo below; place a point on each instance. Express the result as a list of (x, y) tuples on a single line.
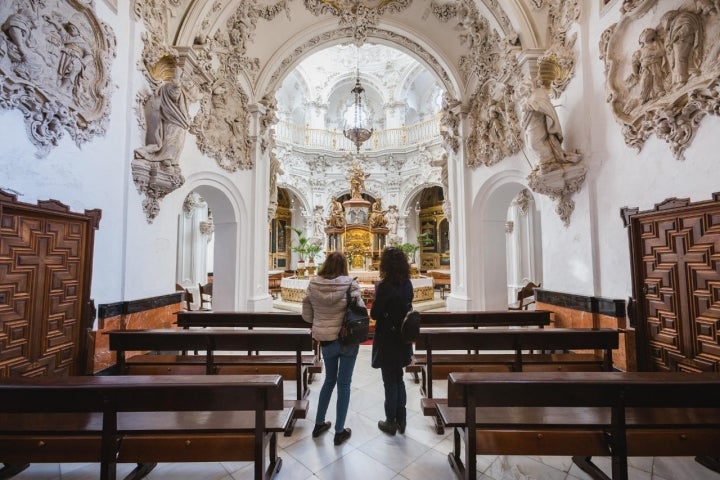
[(401, 427), (388, 427)]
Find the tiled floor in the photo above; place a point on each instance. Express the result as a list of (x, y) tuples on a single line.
[(369, 454)]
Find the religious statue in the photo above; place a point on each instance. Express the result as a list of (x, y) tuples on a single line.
[(684, 38), (165, 140), (543, 133), (357, 179), (318, 222), (337, 215), (377, 216), (392, 218), (649, 67), (74, 56), (275, 170)]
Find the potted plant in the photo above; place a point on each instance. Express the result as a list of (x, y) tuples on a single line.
[(301, 247)]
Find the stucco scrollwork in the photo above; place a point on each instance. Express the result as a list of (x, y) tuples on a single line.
[(495, 126), (360, 16), (221, 126), (558, 173), (450, 123), (55, 68), (662, 70), (557, 64)]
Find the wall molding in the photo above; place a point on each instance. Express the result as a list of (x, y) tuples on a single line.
[(604, 306), (107, 310)]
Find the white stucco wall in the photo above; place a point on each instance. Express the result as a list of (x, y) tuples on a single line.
[(94, 176)]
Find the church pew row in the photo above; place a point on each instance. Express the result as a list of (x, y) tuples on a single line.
[(251, 320), (475, 320), (141, 419), (211, 341), (616, 414), (526, 346)]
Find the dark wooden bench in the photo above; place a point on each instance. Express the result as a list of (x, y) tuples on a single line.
[(251, 320), (617, 414), (475, 320), (212, 341), (143, 420), (524, 345)]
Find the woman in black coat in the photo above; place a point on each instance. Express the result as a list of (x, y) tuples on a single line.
[(393, 299)]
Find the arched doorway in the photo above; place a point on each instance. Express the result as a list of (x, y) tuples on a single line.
[(224, 203), (504, 255)]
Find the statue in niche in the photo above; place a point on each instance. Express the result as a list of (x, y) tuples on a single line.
[(318, 223), (649, 68), (275, 170), (337, 216), (543, 133), (684, 38), (166, 134), (392, 219), (377, 216), (357, 179)]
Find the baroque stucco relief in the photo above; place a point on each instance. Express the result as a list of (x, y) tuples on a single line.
[(662, 69), (55, 61), (207, 75)]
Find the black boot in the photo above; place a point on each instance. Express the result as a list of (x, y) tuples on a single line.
[(388, 427)]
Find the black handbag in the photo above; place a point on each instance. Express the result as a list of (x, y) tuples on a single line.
[(356, 324)]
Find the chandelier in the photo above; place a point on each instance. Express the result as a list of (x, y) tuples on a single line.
[(358, 133)]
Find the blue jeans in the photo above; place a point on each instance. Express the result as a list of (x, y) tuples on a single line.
[(339, 364), (395, 395)]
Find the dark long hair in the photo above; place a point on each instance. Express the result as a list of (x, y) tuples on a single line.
[(394, 267), (335, 265)]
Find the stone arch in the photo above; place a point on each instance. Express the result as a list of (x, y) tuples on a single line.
[(231, 283), (278, 68), (486, 224)]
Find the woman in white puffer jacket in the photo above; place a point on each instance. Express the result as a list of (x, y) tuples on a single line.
[(324, 306)]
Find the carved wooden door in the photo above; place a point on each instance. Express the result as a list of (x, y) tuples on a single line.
[(675, 252), (45, 277)]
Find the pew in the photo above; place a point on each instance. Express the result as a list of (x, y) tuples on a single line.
[(251, 320), (616, 414), (291, 367), (526, 346), (143, 420), (475, 320)]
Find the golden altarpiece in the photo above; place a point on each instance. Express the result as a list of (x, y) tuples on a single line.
[(435, 229)]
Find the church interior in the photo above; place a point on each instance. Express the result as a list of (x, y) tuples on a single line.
[(162, 157)]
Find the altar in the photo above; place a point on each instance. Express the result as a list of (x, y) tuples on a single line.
[(292, 289)]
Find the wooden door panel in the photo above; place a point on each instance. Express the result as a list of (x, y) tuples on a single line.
[(45, 271), (675, 251)]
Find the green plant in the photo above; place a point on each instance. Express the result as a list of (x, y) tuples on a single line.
[(312, 249), (301, 248), (410, 248)]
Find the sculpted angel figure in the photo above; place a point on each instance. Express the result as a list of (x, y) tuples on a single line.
[(357, 179)]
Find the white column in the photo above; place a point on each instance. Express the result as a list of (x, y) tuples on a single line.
[(460, 212), (259, 299)]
